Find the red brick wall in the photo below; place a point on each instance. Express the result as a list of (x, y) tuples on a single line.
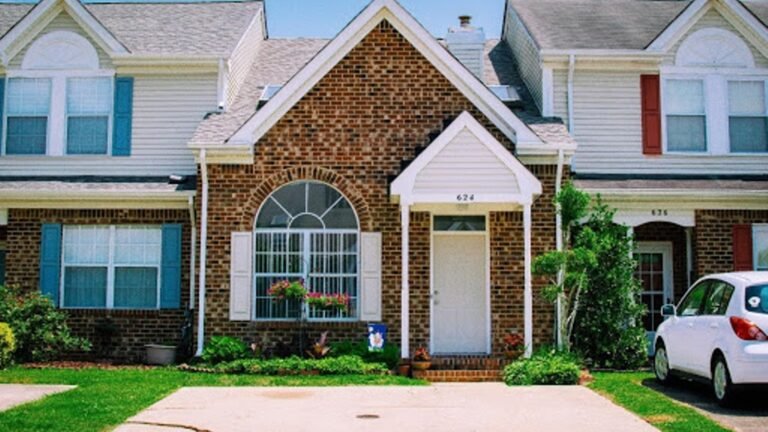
[(136, 328), (664, 231), (714, 237), (353, 130)]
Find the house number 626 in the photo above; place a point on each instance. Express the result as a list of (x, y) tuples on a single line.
[(465, 197)]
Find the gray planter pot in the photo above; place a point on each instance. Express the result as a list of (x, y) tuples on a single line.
[(160, 354)]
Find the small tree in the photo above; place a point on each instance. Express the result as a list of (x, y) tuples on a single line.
[(593, 276)]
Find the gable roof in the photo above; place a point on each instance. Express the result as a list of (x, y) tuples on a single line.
[(378, 11), (611, 24), (192, 29)]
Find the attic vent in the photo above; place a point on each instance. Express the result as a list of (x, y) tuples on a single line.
[(268, 93), (506, 93)]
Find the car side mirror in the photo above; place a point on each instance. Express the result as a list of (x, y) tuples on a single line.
[(668, 310)]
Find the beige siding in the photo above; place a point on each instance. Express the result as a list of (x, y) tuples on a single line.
[(526, 53), (608, 130), (63, 22), (714, 19), (167, 110), (466, 165), (242, 57)]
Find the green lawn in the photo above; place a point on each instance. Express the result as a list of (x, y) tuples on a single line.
[(627, 390), (106, 398)]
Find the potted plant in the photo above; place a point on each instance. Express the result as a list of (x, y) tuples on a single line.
[(404, 368), (328, 302), (421, 359), (514, 345), (287, 290), (162, 354)]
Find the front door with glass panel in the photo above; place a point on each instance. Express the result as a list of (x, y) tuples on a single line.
[(654, 270), (309, 231), (460, 285)]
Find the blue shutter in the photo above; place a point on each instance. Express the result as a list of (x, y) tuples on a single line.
[(50, 261), (2, 104), (170, 278), (123, 118)]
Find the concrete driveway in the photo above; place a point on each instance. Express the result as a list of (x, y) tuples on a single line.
[(486, 407), (750, 413)]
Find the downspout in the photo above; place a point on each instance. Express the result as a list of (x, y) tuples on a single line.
[(203, 253), (559, 246), (571, 69), (193, 249)]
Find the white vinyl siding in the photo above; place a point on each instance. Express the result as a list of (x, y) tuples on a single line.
[(166, 112), (466, 165), (527, 55), (242, 57), (63, 21), (609, 132)]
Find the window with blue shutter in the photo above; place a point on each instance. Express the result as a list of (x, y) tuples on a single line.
[(50, 261), (170, 289), (123, 117)]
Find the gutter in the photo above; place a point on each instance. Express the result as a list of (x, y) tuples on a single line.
[(193, 248), (203, 253), (559, 246)]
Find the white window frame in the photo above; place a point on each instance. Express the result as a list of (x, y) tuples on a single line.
[(110, 304), (757, 228), (56, 136), (716, 107)]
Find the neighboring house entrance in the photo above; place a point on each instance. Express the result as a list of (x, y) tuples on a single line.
[(460, 288), (654, 270)]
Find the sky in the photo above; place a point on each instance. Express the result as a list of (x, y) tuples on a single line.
[(325, 18)]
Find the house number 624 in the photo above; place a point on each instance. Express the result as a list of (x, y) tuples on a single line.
[(465, 197)]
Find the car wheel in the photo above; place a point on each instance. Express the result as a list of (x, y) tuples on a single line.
[(661, 365), (722, 387)]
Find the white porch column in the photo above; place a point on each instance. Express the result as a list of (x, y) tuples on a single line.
[(528, 290), (688, 256), (405, 351)]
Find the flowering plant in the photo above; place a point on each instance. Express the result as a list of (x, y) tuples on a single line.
[(513, 342), (287, 290), (421, 354), (328, 301)]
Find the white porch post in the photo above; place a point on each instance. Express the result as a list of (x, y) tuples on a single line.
[(405, 351), (688, 256), (528, 289)]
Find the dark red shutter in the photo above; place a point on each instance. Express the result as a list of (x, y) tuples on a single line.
[(651, 113), (742, 248)]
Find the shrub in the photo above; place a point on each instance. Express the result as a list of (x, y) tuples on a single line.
[(7, 345), (390, 355), (40, 329), (225, 349), (544, 368), (344, 365)]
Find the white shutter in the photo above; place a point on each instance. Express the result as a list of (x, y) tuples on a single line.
[(370, 276), (240, 277)]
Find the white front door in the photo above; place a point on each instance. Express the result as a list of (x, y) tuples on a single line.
[(654, 270), (459, 293)]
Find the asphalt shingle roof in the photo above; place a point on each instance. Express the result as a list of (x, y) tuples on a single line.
[(279, 59), (184, 29)]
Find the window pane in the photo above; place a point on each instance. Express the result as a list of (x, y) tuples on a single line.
[(292, 197), (272, 216), (756, 299), (718, 298), (87, 135), (86, 245), (686, 133), (684, 97), (29, 96), (321, 197), (748, 134), (138, 245), (136, 287), (761, 247), (341, 216), (746, 97), (26, 135), (88, 96), (85, 287), (691, 305), (459, 223)]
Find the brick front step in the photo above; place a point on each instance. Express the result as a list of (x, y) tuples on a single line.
[(463, 363), (488, 375)]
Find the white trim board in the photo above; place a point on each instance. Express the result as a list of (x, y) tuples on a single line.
[(391, 11)]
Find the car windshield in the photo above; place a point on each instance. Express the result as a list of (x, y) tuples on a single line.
[(757, 299)]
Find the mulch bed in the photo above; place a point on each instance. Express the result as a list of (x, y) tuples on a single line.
[(105, 365)]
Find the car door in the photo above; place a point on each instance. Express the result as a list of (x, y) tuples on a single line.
[(680, 332), (709, 326)]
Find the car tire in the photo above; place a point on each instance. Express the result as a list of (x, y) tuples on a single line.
[(722, 386), (661, 365)]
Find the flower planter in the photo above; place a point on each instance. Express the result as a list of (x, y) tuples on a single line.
[(421, 365), (404, 369), (163, 355)]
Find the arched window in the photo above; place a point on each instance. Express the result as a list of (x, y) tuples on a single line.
[(306, 230)]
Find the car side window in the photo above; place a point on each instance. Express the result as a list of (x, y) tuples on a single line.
[(718, 298), (691, 304)]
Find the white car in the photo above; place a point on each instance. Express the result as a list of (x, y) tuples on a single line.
[(718, 332)]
